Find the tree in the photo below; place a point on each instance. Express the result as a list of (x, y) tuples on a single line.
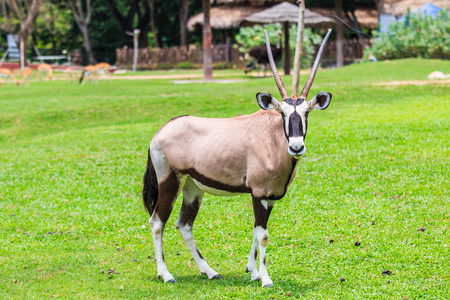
[(207, 41), (380, 6), (138, 10), (82, 21), (184, 15), (339, 36), (26, 13), (52, 26), (152, 23)]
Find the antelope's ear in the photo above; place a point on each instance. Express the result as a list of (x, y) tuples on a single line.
[(320, 101), (266, 101)]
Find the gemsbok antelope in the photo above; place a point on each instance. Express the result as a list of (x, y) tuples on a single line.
[(255, 154)]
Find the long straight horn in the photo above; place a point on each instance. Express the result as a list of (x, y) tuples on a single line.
[(276, 76), (310, 79)]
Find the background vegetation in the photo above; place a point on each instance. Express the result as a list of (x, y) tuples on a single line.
[(249, 37), (376, 172), (417, 36)]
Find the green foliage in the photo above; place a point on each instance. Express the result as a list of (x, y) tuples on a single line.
[(187, 65), (252, 36), (164, 66), (417, 36), (52, 26), (72, 159), (222, 66)]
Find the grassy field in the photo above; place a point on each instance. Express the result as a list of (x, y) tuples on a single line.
[(376, 171)]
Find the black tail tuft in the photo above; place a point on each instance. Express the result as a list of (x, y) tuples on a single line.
[(82, 76), (150, 190)]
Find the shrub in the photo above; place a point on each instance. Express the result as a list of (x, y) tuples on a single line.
[(249, 37), (187, 65), (417, 36), (164, 66), (222, 66)]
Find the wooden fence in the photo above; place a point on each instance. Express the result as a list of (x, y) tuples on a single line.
[(150, 58)]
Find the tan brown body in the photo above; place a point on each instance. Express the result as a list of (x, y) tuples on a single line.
[(196, 142), (7, 74), (45, 71), (25, 76), (104, 68), (90, 71)]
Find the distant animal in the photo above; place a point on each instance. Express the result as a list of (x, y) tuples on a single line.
[(8, 75), (259, 53), (104, 68), (25, 76), (70, 76), (251, 154), (45, 71), (90, 72)]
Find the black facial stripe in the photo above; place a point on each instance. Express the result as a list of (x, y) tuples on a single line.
[(295, 125), (294, 102)]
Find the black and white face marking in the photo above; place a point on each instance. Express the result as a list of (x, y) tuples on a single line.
[(295, 114)]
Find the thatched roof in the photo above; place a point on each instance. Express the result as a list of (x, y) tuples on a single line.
[(367, 17), (254, 2), (287, 12), (224, 17), (400, 7)]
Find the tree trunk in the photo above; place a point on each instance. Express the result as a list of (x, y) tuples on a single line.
[(26, 18), (152, 23), (298, 49), (23, 48), (380, 7), (228, 43), (184, 14), (87, 45), (207, 42), (339, 36), (287, 50)]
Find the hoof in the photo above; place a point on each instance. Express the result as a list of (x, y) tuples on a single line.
[(171, 281), (247, 270), (217, 276), (268, 285)]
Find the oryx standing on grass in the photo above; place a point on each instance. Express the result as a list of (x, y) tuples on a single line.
[(254, 154)]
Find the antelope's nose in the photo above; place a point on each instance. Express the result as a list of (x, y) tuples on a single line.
[(296, 150), (296, 146)]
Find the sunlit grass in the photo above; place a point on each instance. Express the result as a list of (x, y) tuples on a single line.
[(72, 159)]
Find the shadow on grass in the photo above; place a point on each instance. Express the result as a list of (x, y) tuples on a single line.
[(232, 280)]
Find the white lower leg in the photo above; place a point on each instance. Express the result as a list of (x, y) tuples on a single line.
[(157, 232), (205, 269), (251, 264), (263, 238)]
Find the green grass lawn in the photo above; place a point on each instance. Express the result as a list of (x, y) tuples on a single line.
[(377, 169)]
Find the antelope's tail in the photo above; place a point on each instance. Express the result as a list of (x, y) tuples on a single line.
[(150, 191), (82, 76)]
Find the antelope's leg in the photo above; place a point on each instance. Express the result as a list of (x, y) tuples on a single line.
[(251, 264), (169, 189), (261, 209), (192, 199)]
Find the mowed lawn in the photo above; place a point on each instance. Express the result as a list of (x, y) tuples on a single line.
[(366, 217)]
